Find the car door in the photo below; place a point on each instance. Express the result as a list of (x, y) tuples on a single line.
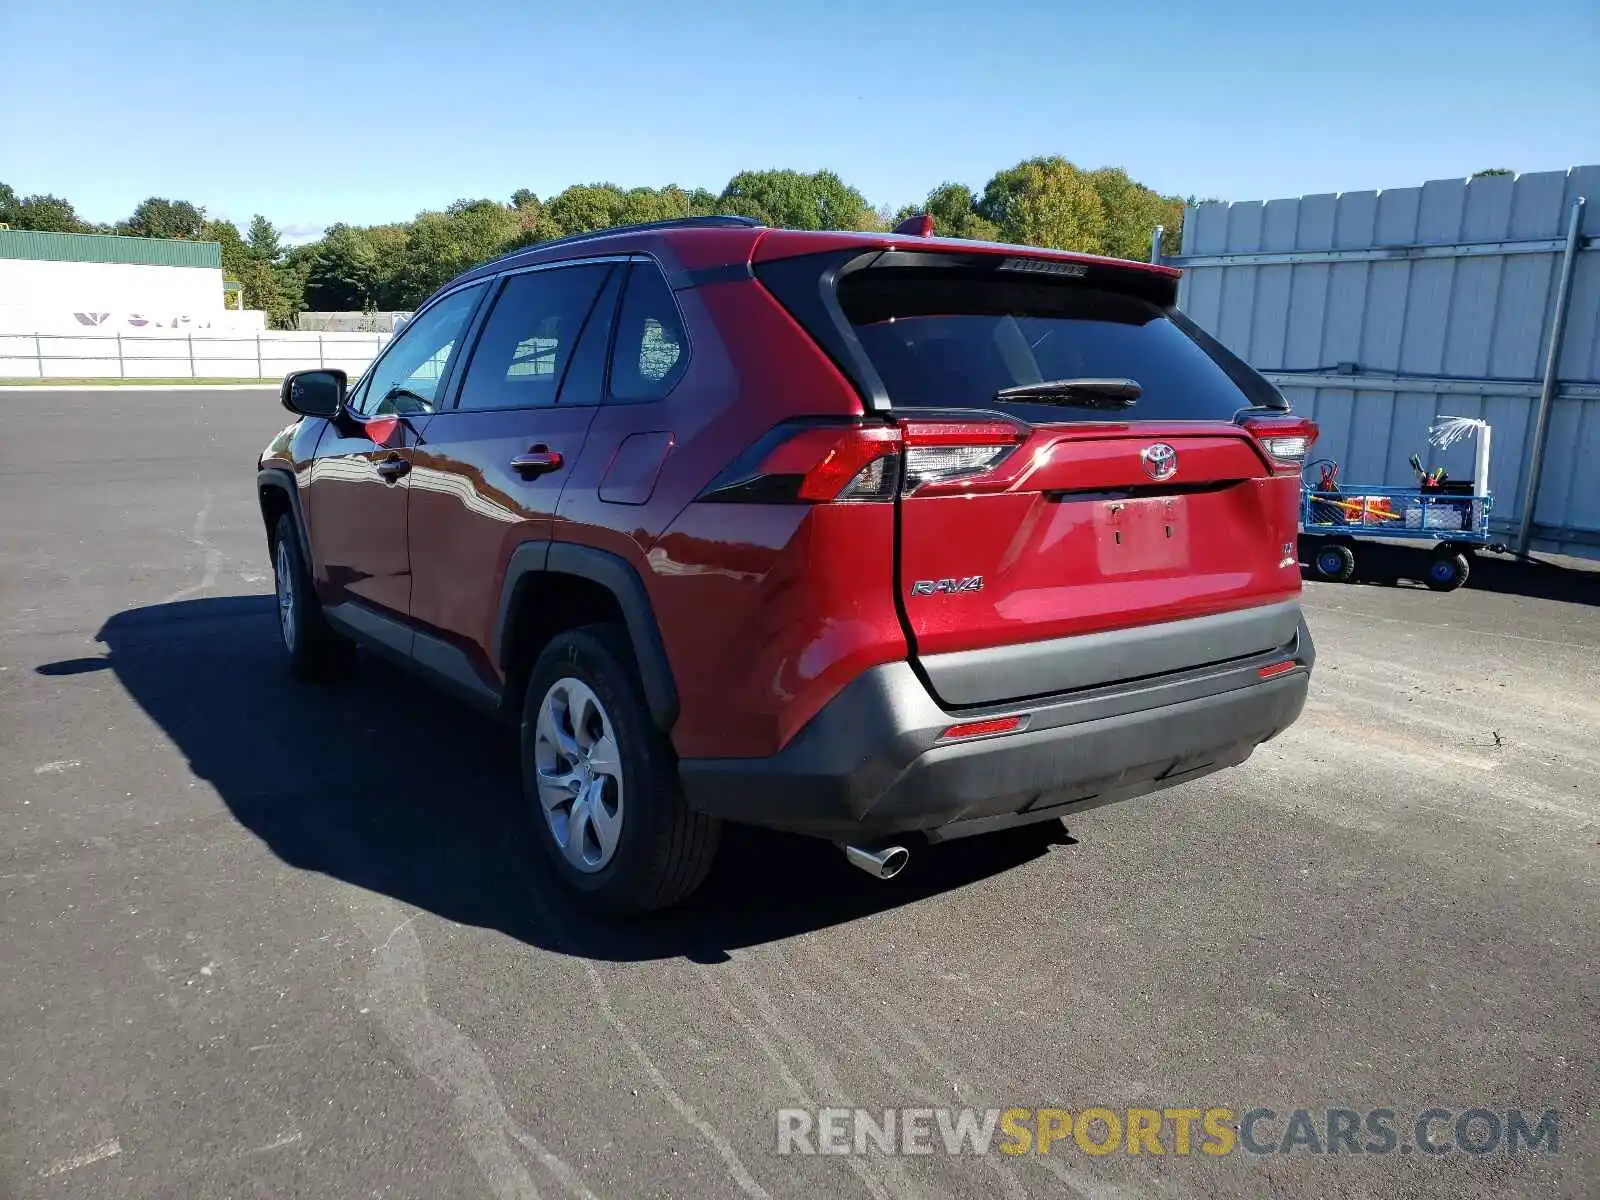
[(489, 474), (354, 495)]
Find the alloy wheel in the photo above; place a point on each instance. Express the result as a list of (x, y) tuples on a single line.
[(578, 772), (285, 585)]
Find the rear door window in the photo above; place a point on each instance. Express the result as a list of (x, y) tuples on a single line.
[(953, 338), (529, 337)]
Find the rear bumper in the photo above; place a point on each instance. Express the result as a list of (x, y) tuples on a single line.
[(870, 765)]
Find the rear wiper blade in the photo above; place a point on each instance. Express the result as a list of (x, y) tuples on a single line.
[(1075, 393)]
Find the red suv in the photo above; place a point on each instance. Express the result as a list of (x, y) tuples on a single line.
[(876, 537)]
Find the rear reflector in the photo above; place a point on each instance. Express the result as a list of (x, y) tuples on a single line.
[(974, 729), (1276, 669)]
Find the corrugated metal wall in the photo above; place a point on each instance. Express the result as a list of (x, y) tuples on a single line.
[(108, 248), (1376, 312)]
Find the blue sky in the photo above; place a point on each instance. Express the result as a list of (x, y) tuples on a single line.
[(317, 112)]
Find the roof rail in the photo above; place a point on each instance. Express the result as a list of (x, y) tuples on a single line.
[(670, 223)]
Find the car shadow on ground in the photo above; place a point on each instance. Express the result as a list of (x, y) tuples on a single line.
[(381, 782)]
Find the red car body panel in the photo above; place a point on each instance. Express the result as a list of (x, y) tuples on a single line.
[(771, 610)]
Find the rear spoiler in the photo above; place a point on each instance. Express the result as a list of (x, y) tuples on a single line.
[(805, 284)]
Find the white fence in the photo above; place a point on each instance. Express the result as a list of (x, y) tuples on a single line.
[(352, 322), (1377, 312), (183, 355)]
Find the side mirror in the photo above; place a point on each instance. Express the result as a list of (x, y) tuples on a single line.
[(318, 393)]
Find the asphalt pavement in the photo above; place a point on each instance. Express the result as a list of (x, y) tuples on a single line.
[(264, 939)]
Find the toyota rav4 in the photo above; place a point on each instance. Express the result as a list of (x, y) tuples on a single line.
[(880, 538)]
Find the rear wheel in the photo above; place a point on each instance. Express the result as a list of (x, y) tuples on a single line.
[(315, 651), (1334, 562), (601, 784), (1448, 569)]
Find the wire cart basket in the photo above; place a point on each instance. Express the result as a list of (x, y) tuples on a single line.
[(1342, 526)]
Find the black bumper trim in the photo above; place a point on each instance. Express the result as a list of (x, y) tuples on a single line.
[(968, 677), (870, 763)]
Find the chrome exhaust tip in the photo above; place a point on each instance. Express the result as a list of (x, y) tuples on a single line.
[(884, 862)]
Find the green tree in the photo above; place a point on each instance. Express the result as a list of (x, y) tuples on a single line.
[(43, 213), (389, 250), (1132, 213), (701, 202), (1173, 209), (585, 207), (263, 240), (342, 273), (235, 254), (159, 218), (643, 204), (262, 291), (534, 222), (290, 277), (439, 246), (243, 264), (793, 200), (1046, 202), (1493, 171), (953, 209)]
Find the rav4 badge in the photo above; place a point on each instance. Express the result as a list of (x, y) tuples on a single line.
[(945, 587)]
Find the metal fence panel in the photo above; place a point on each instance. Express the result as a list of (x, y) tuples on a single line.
[(1377, 312), (178, 355)]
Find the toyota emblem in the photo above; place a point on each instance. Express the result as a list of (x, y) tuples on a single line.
[(1160, 461)]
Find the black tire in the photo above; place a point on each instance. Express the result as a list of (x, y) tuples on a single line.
[(313, 649), (1448, 570), (664, 850), (1333, 562)]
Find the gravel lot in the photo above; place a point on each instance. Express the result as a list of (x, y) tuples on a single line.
[(268, 940)]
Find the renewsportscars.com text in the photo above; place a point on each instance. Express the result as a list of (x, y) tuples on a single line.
[(1214, 1131)]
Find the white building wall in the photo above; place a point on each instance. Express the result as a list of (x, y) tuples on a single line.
[(52, 288)]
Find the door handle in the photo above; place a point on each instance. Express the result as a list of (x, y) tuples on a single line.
[(539, 460), (392, 468)]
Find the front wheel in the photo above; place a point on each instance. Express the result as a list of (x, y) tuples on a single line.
[(1334, 562), (1448, 570), (601, 783), (314, 650)]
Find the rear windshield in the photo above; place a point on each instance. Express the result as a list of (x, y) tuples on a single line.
[(941, 338)]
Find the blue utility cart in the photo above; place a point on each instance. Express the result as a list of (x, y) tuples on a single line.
[(1429, 532)]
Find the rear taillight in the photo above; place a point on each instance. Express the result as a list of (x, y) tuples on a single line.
[(1284, 440), (948, 452), (812, 463), (831, 463)]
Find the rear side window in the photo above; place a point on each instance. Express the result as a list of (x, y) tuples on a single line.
[(529, 337), (952, 338), (651, 349)]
